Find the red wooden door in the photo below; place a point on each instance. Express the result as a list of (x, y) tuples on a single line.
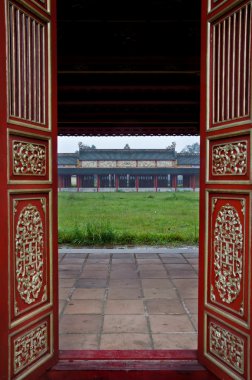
[(28, 214), (225, 236)]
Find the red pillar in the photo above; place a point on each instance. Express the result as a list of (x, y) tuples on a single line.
[(174, 181), (192, 182), (78, 182), (137, 183)]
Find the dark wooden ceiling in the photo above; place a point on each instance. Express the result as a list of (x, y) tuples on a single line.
[(128, 67)]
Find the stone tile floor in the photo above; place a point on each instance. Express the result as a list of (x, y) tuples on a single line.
[(123, 299)]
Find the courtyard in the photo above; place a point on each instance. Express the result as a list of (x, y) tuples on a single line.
[(128, 298)]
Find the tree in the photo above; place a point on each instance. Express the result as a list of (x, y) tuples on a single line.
[(85, 147), (172, 146), (193, 148), (127, 146)]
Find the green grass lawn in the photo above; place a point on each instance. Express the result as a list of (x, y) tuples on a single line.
[(128, 218)]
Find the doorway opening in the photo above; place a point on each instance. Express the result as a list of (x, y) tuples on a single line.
[(128, 289)]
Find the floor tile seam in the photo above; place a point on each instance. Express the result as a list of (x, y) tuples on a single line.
[(182, 301), (73, 288), (104, 303), (146, 315), (190, 265), (61, 258)]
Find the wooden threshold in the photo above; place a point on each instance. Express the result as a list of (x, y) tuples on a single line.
[(128, 365)]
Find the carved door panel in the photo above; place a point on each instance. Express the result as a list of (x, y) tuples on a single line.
[(226, 185), (28, 214)]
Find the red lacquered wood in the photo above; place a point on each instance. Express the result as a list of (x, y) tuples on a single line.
[(227, 318), (3, 203), (128, 355), (127, 370), (19, 190)]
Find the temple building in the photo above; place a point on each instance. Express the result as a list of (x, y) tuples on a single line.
[(128, 170)]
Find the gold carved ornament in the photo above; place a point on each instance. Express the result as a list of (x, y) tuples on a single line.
[(228, 250), (30, 347), (227, 347), (29, 159), (29, 248), (229, 159)]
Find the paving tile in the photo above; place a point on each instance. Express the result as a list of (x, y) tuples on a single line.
[(173, 260), (193, 261), (160, 293), (153, 267), (80, 324), (124, 323), (99, 256), (153, 274), (69, 267), (188, 288), (101, 274), (180, 341), (195, 321), (66, 282), (96, 267), (97, 261), (124, 307), (76, 255), (88, 294), (180, 273), (91, 283), (61, 305), (123, 256), (148, 261), (164, 306), (124, 283), (65, 293), (83, 307), (124, 293), (124, 341), (156, 283), (69, 274), (123, 274), (195, 267), (72, 261), (169, 255), (172, 267), (170, 323), (146, 255), (192, 305), (191, 255), (78, 342), (124, 266)]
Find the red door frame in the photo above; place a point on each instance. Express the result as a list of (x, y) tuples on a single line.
[(76, 358), (22, 323)]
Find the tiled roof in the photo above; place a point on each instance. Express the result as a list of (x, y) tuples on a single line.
[(188, 159), (67, 158), (126, 154)]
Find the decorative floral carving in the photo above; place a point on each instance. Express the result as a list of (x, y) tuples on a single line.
[(29, 245), (230, 159), (212, 295), (227, 347), (29, 159), (228, 248), (30, 346)]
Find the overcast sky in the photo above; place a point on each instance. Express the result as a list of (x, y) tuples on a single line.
[(70, 144)]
